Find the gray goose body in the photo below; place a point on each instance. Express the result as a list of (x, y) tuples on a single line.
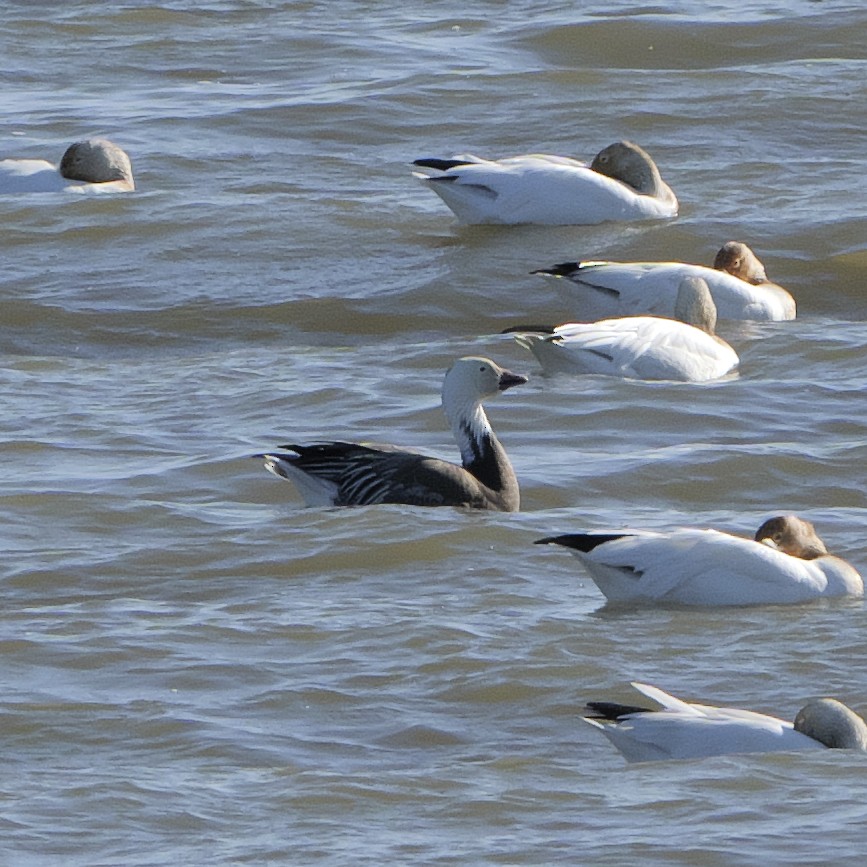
[(361, 474)]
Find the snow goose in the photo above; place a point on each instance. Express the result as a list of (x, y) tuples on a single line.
[(641, 347), (682, 730), (785, 563), (737, 281), (95, 165), (622, 183), (355, 474)]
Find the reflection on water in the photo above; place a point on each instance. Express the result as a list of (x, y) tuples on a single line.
[(196, 667)]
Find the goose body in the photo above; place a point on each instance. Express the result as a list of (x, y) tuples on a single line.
[(358, 474), (92, 166), (622, 183), (737, 282), (706, 567), (682, 730), (685, 349)]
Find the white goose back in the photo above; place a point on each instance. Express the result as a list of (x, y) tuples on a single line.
[(623, 183), (688, 566), (684, 730), (92, 166), (737, 282), (641, 347)]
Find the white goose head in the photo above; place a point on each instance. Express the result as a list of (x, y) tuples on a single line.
[(791, 535), (96, 161), (472, 379), (468, 382), (694, 304), (628, 163), (832, 723), (737, 259)]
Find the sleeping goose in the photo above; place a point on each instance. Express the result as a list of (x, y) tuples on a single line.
[(737, 281), (622, 183), (685, 349), (785, 563), (356, 474), (95, 165), (682, 730)]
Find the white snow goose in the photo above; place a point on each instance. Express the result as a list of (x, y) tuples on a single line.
[(785, 563), (682, 730), (622, 183), (685, 349), (737, 282), (96, 165), (358, 474)]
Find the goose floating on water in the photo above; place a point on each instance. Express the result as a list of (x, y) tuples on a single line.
[(622, 183), (685, 349), (356, 474), (682, 730), (92, 166), (737, 281), (786, 562)]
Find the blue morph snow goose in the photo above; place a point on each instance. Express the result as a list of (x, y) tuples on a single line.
[(358, 474), (622, 183), (682, 730), (787, 562), (737, 282), (685, 349), (91, 166)]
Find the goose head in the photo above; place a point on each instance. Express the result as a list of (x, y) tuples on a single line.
[(472, 379), (96, 161), (737, 259), (628, 163), (694, 304), (791, 535), (832, 723), (468, 382)]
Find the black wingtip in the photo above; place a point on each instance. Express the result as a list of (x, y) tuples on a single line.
[(584, 542), (439, 164), (610, 710), (522, 329), (563, 269)]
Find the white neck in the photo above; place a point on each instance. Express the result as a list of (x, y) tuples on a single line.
[(470, 426)]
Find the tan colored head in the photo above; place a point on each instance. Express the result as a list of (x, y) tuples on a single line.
[(791, 535), (96, 161), (832, 723), (694, 304), (737, 259), (628, 163)]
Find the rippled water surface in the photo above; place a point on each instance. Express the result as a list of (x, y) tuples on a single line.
[(198, 670)]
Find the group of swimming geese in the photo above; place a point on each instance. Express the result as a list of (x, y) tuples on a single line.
[(658, 321)]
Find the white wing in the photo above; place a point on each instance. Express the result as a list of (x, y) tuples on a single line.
[(682, 730), (30, 176), (540, 189), (40, 176), (706, 567), (595, 290), (660, 736), (640, 347)]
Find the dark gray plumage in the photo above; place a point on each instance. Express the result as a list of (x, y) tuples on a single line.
[(363, 474)]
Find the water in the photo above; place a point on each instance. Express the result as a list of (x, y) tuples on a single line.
[(196, 669)]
